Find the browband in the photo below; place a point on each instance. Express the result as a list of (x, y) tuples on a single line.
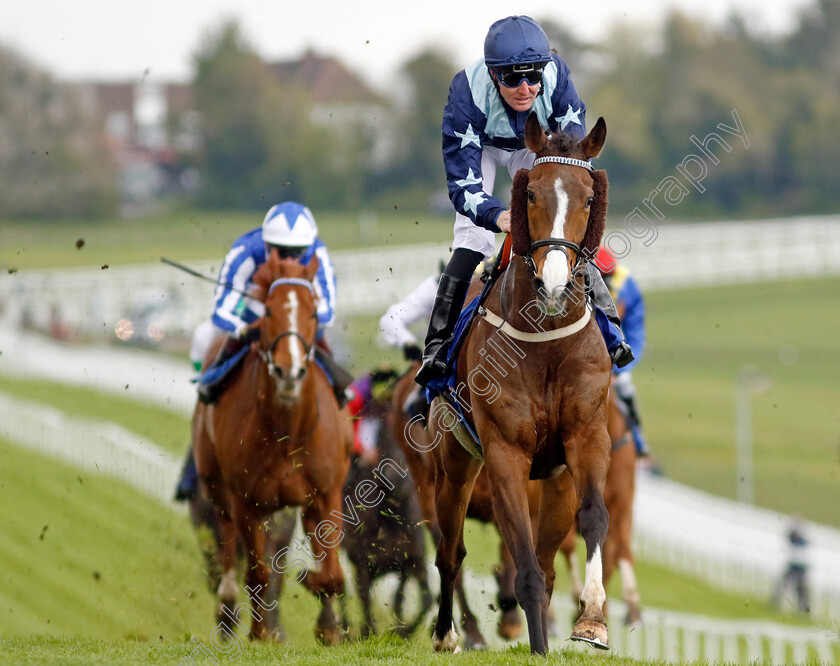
[(565, 160)]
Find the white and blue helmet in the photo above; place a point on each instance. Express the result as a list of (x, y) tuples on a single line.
[(289, 224)]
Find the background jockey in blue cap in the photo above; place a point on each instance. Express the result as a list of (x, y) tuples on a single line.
[(483, 129), (290, 230)]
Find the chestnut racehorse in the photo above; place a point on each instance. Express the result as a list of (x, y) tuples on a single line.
[(276, 438), (533, 378), (618, 497)]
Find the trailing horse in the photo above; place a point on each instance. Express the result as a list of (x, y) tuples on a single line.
[(391, 539), (532, 380), (277, 438)]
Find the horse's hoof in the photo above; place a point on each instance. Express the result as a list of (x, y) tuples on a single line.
[(448, 643), (591, 632), (633, 619), (328, 636), (511, 629), (276, 635), (474, 643)]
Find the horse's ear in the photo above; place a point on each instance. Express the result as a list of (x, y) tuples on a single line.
[(519, 232), (535, 138), (597, 215), (594, 141), (311, 269)]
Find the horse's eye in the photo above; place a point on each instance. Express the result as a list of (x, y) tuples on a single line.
[(531, 196), (267, 311), (589, 201)]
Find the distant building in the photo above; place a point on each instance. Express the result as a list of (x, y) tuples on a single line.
[(340, 98), (149, 127)]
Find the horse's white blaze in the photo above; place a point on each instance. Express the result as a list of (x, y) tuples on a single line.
[(594, 595), (227, 586), (555, 271), (628, 581), (292, 305)]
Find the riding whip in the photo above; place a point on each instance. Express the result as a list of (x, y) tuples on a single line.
[(195, 273)]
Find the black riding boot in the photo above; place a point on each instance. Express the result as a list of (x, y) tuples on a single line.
[(209, 393), (620, 354), (340, 377), (452, 290)]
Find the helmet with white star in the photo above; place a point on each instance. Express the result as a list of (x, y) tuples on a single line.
[(289, 224), (516, 40)]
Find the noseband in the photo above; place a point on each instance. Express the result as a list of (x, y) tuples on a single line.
[(308, 348), (560, 244)]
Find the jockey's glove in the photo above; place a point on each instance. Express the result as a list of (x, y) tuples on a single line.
[(247, 334), (412, 352)]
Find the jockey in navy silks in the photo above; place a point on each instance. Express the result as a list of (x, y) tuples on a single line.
[(483, 129)]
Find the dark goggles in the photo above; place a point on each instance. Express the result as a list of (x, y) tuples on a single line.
[(287, 252), (512, 76)]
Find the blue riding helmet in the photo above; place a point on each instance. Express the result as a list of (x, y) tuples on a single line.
[(516, 40)]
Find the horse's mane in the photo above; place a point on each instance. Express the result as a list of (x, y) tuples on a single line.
[(562, 145)]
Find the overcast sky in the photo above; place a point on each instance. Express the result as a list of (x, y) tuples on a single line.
[(120, 39)]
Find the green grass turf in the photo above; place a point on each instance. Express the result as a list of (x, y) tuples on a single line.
[(165, 429), (698, 342), (83, 555), (93, 573), (191, 235), (378, 650), (660, 587)]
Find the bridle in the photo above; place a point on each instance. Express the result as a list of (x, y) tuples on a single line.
[(267, 355), (559, 244)]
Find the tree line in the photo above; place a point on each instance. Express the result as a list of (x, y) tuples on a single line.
[(662, 92)]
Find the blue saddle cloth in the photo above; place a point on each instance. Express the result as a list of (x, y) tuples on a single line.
[(437, 386), (216, 373)]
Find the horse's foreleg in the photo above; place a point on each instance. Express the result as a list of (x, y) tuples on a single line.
[(617, 552), (509, 468), (558, 506), (253, 535), (319, 519), (510, 625), (588, 458), (568, 548), (227, 590), (454, 485), (279, 538)]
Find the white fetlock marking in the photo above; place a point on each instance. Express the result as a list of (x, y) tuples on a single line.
[(448, 643), (628, 582), (228, 589), (594, 596)]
